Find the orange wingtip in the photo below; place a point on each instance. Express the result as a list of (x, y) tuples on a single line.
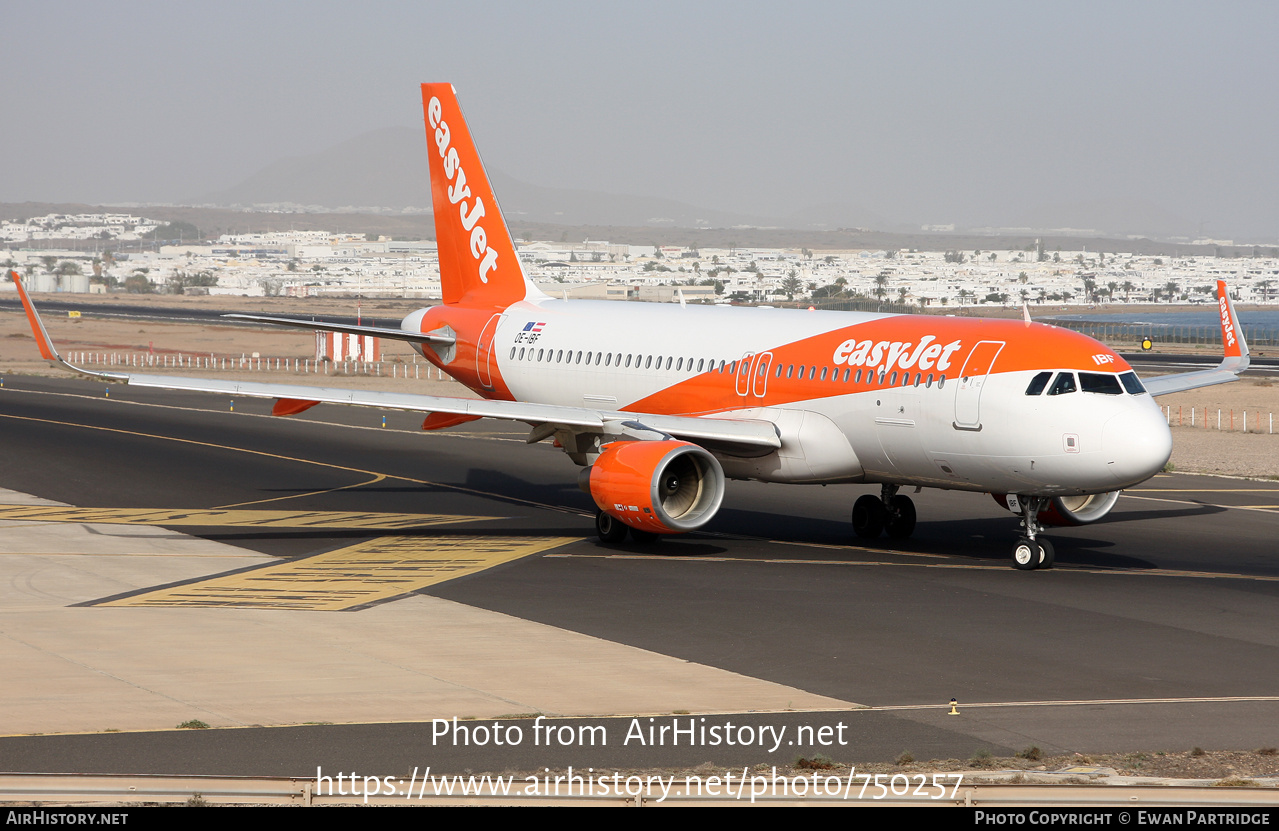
[(439, 421), (292, 406), (37, 327)]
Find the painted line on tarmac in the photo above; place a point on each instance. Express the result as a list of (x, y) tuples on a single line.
[(1240, 699), (349, 578), (372, 473), (231, 518), (1151, 572), (1197, 504)]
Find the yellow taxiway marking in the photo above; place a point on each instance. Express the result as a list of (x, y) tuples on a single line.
[(350, 577), (796, 561), (1202, 490), (1093, 702), (378, 478), (230, 518)]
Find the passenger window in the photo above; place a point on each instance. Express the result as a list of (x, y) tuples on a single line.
[(1132, 383), (847, 372), (1064, 383), (823, 373), (928, 382), (1038, 383), (941, 382)]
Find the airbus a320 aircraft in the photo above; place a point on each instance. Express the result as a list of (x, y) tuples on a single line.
[(660, 403)]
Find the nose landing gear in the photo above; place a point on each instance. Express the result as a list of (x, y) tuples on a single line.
[(1032, 551)]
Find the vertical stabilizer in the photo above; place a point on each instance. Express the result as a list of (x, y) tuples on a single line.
[(478, 264)]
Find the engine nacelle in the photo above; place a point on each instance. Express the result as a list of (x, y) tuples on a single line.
[(665, 487), (1070, 510)]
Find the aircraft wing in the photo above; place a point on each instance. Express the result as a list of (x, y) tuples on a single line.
[(1235, 360), (375, 331), (752, 433)]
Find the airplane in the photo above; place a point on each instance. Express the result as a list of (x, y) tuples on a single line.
[(659, 404)]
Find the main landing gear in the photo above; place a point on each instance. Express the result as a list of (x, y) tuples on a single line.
[(612, 530), (1032, 550), (888, 512)]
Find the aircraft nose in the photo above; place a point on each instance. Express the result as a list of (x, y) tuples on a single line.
[(1136, 444)]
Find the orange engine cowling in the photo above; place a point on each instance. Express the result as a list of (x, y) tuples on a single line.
[(665, 487), (1070, 510)]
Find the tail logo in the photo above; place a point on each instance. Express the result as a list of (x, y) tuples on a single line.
[(459, 191)]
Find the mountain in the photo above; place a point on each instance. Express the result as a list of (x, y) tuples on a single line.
[(386, 170)]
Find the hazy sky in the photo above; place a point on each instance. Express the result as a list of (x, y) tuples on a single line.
[(967, 112)]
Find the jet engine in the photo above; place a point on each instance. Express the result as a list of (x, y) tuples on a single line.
[(664, 487), (1070, 510)]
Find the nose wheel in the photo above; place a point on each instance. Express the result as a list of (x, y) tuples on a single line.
[(1032, 551)]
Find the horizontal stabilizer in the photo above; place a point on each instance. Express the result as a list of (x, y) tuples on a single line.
[(348, 329)]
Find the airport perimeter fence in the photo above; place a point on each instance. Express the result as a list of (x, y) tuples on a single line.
[(246, 363), (1216, 418), (1134, 333)]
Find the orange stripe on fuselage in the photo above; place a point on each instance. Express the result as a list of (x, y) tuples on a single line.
[(906, 343)]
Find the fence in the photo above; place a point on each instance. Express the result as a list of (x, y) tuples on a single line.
[(1219, 419), (1112, 333)]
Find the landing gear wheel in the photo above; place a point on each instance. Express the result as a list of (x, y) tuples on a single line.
[(900, 518), (868, 517), (1026, 554), (643, 537), (1046, 554), (609, 528)]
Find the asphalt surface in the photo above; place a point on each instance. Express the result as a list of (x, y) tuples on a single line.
[(1155, 631)]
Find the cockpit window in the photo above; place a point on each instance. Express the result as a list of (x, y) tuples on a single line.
[(1132, 383), (1064, 383), (1099, 383), (1038, 383)]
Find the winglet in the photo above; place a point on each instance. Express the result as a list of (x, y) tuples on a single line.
[(37, 325), (1232, 340), (1234, 361), (44, 342)]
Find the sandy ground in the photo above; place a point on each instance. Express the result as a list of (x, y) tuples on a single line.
[(1254, 453)]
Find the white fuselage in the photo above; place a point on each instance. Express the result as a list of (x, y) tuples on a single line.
[(938, 423)]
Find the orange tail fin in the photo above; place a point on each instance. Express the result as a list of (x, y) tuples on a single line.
[(478, 264)]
